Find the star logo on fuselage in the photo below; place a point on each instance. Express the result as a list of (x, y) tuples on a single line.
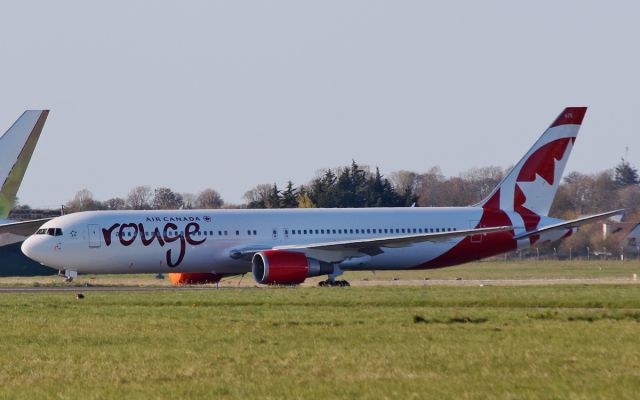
[(74, 234)]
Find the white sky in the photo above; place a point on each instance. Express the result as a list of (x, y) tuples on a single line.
[(228, 95)]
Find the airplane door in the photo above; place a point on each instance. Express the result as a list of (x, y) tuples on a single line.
[(94, 235), (473, 225)]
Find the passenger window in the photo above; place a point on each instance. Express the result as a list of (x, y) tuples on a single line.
[(368, 230), (316, 231), (334, 231), (321, 231), (249, 233), (351, 231)]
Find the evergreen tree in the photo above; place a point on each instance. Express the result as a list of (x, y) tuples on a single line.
[(289, 197), (273, 201), (626, 174)]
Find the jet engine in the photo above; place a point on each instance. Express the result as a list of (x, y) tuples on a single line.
[(286, 267), (193, 278)]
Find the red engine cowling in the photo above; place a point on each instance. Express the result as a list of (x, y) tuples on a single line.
[(193, 278), (278, 266)]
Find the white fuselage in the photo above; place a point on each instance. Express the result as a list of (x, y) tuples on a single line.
[(205, 240)]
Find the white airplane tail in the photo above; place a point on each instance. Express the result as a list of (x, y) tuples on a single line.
[(530, 186), (16, 148)]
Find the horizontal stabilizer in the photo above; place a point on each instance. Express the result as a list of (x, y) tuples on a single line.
[(574, 223)]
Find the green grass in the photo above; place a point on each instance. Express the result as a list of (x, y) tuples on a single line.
[(565, 342), (526, 269)]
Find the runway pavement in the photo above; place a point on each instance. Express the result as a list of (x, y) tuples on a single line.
[(355, 283)]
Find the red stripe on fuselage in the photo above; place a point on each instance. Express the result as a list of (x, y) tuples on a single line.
[(490, 245)]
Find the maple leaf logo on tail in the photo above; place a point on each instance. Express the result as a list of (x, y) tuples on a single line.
[(529, 188)]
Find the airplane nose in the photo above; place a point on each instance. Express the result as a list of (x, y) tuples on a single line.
[(32, 248)]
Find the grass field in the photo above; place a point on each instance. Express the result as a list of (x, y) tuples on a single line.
[(564, 342)]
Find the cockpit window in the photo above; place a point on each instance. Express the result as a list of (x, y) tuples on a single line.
[(41, 231), (58, 232), (49, 231)]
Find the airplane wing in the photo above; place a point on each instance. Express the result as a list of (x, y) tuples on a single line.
[(574, 223), (23, 228), (372, 246)]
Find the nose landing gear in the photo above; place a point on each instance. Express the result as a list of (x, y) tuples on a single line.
[(69, 276)]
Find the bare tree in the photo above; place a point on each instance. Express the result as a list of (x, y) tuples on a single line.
[(431, 184), (139, 198), (83, 201), (188, 200), (115, 203), (403, 180), (258, 197), (209, 198), (481, 181)]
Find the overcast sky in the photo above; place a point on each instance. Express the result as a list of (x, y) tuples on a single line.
[(228, 95)]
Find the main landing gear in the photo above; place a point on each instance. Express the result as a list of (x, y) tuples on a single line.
[(333, 283)]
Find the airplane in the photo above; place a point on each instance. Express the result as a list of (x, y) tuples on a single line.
[(286, 246), (16, 148)]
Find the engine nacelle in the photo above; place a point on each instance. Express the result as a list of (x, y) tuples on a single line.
[(286, 267), (193, 278)]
